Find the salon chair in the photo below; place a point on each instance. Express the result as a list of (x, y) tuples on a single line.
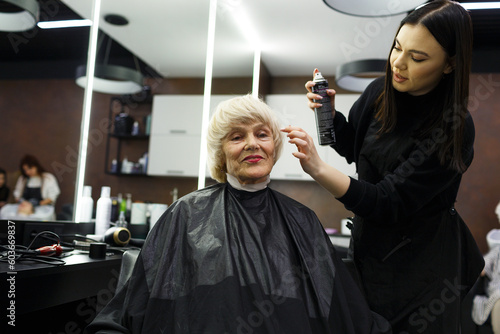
[(129, 258)]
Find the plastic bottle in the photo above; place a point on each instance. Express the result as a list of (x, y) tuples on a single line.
[(128, 207), (122, 203), (135, 129), (121, 222), (124, 169), (87, 205), (103, 211), (324, 116), (148, 125), (145, 158), (115, 208), (114, 166)]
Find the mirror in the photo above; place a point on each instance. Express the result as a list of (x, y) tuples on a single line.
[(174, 55), (232, 65), (234, 44), (62, 153), (40, 103)]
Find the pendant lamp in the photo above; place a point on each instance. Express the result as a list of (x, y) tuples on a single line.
[(18, 15), (373, 8), (112, 79), (357, 75)]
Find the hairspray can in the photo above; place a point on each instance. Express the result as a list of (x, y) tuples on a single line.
[(324, 116)]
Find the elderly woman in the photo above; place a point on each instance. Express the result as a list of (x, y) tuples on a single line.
[(237, 256)]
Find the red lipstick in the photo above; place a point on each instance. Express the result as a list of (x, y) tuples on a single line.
[(253, 158)]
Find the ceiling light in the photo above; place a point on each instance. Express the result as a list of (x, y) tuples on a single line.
[(481, 5), (18, 15), (112, 79), (373, 7), (64, 24), (357, 75)]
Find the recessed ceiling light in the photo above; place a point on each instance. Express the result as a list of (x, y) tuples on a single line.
[(116, 19)]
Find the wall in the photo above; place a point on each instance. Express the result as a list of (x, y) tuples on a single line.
[(480, 190), (43, 117)]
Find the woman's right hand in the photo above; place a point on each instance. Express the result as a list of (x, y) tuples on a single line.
[(312, 96)]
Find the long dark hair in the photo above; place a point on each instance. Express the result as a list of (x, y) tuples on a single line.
[(451, 26), (2, 171), (30, 161)]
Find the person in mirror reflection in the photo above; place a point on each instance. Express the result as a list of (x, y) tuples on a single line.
[(4, 190), (411, 137), (237, 256), (35, 184), (25, 210), (487, 306)]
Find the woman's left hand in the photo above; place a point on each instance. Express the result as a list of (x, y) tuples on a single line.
[(306, 150)]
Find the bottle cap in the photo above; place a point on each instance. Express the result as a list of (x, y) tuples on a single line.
[(87, 191), (318, 77), (105, 191)]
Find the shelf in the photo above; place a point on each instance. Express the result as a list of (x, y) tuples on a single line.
[(126, 174), (138, 137), (131, 143)]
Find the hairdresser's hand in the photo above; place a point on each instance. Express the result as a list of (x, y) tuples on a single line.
[(333, 180), (306, 150), (311, 96)]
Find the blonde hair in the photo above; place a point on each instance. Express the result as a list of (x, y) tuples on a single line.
[(238, 110)]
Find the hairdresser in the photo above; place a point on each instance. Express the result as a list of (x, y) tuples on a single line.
[(411, 137), (35, 184)]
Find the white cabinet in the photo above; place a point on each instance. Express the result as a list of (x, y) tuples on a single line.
[(174, 145), (292, 110), (176, 115), (174, 155)]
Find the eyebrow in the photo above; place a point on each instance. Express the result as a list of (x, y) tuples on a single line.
[(258, 125), (415, 51)]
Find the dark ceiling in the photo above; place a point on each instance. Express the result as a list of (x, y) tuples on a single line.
[(55, 53)]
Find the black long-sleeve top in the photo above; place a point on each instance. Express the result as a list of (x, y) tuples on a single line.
[(413, 181), (408, 241)]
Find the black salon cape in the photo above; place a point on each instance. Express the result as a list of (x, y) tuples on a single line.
[(221, 260)]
